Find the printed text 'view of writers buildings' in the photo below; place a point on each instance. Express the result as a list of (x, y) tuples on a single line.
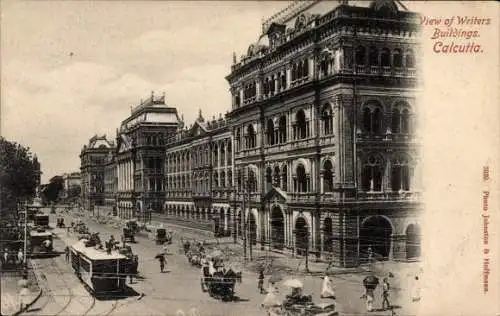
[(316, 153)]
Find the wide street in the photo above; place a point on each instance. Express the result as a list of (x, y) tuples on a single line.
[(179, 287)]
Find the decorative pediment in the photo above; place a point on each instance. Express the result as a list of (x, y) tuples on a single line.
[(276, 34), (198, 129), (276, 195)]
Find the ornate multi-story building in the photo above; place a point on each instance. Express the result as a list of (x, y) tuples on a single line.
[(110, 184), (200, 173), (140, 157), (92, 161), (323, 106)]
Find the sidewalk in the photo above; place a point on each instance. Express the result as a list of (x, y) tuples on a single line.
[(10, 298)]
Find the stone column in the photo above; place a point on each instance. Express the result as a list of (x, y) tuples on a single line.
[(288, 75)]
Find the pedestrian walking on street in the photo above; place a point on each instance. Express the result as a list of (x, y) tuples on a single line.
[(161, 258), (385, 294), (260, 285), (66, 253)]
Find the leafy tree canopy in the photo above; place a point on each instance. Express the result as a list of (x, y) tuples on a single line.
[(19, 172), (54, 188)]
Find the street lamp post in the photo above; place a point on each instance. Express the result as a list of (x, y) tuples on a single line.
[(25, 263)]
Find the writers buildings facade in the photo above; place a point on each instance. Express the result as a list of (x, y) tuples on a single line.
[(323, 115), (319, 153)]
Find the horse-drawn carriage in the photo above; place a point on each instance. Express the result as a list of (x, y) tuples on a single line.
[(160, 235), (195, 252), (220, 283), (129, 231)]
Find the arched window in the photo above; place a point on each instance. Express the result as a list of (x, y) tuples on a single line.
[(301, 180), (270, 132), (239, 180), (373, 56), (300, 69), (237, 100), (252, 181), (215, 156), (327, 119), (305, 70), (229, 178), (397, 58), (359, 55), (301, 125), (372, 119), (294, 72), (282, 129), (405, 121), (269, 178), (283, 81), (401, 118), (222, 155), (371, 174), (272, 85), (238, 140), (284, 179), (385, 58), (323, 66), (266, 86), (410, 59), (276, 176), (327, 176), (400, 173), (229, 153), (251, 137), (222, 179)]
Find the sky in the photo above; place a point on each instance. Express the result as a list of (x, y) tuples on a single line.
[(73, 69)]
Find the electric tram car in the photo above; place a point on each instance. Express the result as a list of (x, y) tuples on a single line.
[(101, 273), (41, 220), (40, 243)]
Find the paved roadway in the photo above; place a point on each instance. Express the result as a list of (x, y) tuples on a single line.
[(179, 288)]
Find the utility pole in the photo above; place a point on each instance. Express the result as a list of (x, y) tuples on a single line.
[(25, 263), (243, 211), (250, 231)]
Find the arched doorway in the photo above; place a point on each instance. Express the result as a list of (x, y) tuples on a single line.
[(252, 228), (413, 241), (301, 236), (277, 228), (328, 235), (375, 232)]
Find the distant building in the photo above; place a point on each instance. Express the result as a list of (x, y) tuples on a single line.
[(92, 161), (110, 183), (71, 182), (140, 157)]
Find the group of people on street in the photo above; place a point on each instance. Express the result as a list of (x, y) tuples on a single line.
[(9, 257)]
